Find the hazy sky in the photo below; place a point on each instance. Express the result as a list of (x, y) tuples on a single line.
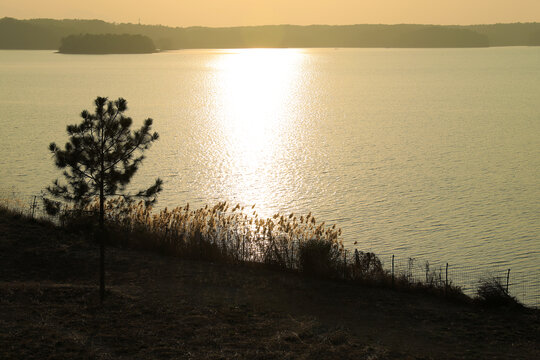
[(259, 12)]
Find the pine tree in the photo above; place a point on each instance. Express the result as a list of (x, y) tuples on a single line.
[(100, 159)]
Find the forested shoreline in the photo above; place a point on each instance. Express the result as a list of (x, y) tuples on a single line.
[(41, 34)]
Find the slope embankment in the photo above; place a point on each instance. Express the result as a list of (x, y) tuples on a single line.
[(161, 307)]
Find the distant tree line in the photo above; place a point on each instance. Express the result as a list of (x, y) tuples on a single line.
[(534, 39), (48, 33), (106, 44)]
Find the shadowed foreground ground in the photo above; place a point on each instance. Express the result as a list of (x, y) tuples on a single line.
[(162, 308)]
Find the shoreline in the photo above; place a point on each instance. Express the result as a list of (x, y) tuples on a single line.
[(55, 50)]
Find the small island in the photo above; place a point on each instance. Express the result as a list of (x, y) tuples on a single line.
[(107, 44)]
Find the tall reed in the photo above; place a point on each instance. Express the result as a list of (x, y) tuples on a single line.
[(230, 233), (236, 234)]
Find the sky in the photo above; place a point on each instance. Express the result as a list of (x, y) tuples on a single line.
[(217, 13)]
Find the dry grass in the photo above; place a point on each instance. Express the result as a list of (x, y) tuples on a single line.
[(224, 232), (237, 235)]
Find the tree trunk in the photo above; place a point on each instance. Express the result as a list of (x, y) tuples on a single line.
[(102, 232), (101, 243)]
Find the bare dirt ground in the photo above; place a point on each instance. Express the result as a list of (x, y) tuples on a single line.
[(161, 307)]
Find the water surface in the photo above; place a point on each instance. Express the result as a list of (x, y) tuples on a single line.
[(429, 153)]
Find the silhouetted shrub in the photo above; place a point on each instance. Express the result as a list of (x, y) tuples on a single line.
[(367, 266), (491, 292), (79, 221), (319, 257), (52, 207)]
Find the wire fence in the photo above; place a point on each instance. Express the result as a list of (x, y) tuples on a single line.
[(25, 204), (524, 286)]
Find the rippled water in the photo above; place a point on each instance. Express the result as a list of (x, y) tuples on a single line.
[(427, 153)]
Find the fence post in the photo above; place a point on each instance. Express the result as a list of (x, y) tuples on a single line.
[(392, 269), (345, 262), (446, 280), (243, 248), (507, 280), (33, 206)]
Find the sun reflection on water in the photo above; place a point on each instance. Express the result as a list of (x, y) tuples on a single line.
[(255, 90)]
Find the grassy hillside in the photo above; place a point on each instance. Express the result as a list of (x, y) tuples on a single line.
[(163, 307)]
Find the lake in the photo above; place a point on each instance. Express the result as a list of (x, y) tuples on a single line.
[(425, 153)]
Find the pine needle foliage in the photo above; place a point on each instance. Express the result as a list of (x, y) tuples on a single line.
[(99, 160), (102, 151)]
